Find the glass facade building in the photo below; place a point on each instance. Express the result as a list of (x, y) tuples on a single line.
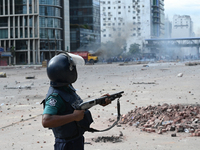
[(32, 29), (84, 24)]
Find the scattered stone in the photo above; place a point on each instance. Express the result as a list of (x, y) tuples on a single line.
[(30, 77), (173, 135), (180, 75)]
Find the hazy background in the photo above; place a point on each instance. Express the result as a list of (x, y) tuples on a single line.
[(184, 7)]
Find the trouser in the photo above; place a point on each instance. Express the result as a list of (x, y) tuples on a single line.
[(62, 144)]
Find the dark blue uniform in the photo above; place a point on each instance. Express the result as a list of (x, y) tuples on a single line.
[(63, 101)]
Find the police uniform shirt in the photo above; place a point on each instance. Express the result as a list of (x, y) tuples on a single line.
[(54, 105)]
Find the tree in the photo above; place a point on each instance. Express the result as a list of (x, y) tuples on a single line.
[(134, 48)]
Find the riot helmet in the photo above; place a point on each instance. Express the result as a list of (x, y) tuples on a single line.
[(61, 70)]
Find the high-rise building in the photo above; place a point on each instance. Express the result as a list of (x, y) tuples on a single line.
[(33, 29), (168, 28), (182, 26), (132, 20), (84, 24)]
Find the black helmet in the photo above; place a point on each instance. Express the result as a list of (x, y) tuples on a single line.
[(61, 70)]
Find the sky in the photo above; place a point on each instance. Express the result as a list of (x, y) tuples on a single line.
[(184, 7)]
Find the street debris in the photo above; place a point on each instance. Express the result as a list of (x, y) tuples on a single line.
[(145, 65), (30, 77), (163, 118), (113, 139), (144, 83), (18, 87), (2, 74), (192, 63), (180, 75)]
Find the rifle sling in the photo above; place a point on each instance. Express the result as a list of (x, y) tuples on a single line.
[(95, 130)]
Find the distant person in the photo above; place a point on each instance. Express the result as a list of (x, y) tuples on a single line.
[(60, 114)]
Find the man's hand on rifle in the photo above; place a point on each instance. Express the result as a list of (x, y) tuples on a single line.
[(107, 100)]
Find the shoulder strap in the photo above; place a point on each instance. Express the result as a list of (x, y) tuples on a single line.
[(115, 123)]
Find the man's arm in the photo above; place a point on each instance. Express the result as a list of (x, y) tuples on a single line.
[(51, 121)]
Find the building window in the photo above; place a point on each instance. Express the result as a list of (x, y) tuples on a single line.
[(119, 12), (104, 24), (133, 17), (108, 2), (119, 1), (119, 7), (108, 7), (104, 35)]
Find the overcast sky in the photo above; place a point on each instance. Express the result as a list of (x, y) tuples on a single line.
[(184, 7)]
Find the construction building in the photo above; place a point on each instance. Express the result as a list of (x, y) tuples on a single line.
[(33, 30), (133, 20)]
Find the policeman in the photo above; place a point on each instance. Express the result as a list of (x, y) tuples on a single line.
[(61, 102)]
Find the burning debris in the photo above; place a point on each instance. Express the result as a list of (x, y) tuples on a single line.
[(163, 118)]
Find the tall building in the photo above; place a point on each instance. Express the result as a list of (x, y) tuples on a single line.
[(168, 28), (182, 26), (133, 20), (84, 24), (33, 29)]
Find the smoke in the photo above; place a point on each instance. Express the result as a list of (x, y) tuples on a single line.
[(119, 41), (176, 52)]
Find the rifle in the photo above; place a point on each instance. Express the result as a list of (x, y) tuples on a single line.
[(101, 100)]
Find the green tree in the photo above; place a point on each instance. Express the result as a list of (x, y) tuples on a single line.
[(134, 48)]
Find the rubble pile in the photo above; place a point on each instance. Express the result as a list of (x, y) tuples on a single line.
[(163, 118)]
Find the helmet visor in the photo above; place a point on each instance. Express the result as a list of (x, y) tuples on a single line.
[(77, 60)]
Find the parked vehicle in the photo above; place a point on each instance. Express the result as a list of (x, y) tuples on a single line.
[(88, 57)]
